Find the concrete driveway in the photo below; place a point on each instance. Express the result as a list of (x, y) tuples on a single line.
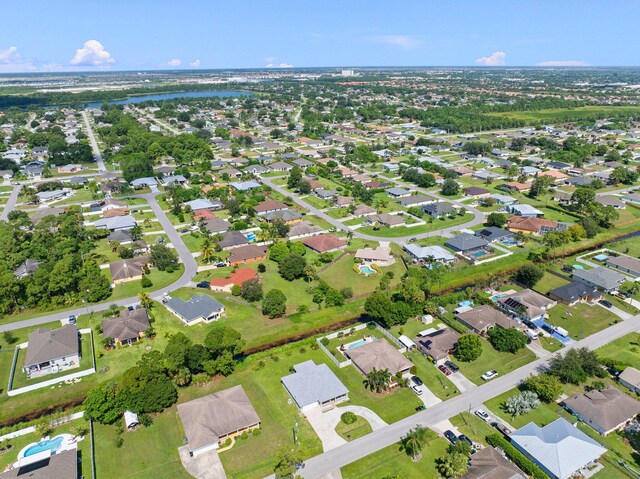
[(204, 466), (461, 382), (618, 312), (324, 423)]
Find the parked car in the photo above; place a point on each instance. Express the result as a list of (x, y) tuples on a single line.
[(531, 334), (72, 319), (489, 375), (203, 284), (417, 380), (548, 329), (605, 303), (482, 414), (221, 265), (624, 294), (184, 230), (450, 435), (417, 389), (412, 240), (530, 324), (452, 366), (502, 428), (444, 370), (165, 297), (464, 438)]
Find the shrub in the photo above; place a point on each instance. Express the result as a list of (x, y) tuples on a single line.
[(348, 417), (243, 436), (236, 290), (118, 441), (519, 459), (145, 282), (325, 342), (256, 432), (261, 269), (509, 340), (413, 370), (145, 420), (469, 348)]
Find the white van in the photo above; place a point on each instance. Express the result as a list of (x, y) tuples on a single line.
[(531, 334), (562, 332)]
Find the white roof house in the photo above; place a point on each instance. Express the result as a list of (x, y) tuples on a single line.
[(314, 385), (438, 253), (559, 448)]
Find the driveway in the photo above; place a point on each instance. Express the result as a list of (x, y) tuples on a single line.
[(204, 466), (324, 423), (618, 312), (460, 381)]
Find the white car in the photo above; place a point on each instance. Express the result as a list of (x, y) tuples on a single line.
[(417, 389), (482, 414), (489, 375)]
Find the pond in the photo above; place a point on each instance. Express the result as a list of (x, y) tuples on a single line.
[(171, 96)]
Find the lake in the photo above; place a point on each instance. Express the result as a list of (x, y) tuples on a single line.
[(171, 96)]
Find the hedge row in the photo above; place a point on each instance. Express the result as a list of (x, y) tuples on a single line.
[(519, 459)]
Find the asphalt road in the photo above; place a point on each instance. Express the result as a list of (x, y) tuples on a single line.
[(352, 451), (11, 203), (94, 144), (190, 269)]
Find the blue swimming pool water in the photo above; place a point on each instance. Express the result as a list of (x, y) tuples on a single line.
[(367, 270), (357, 344), (498, 296), (478, 254), (465, 303), (50, 444)]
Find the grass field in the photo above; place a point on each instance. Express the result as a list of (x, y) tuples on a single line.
[(392, 462), (566, 114), (492, 359), (625, 349), (548, 282), (542, 415), (349, 432), (472, 426), (584, 320)]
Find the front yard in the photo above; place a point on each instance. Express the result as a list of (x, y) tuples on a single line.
[(584, 319)]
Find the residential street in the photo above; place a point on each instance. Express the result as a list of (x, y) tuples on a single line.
[(94, 144), (352, 451), (11, 203)]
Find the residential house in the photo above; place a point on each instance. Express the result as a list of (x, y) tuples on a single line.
[(599, 277), (314, 385), (116, 223), (143, 182), (380, 256), (630, 378), (302, 229), (269, 206), (475, 192), (236, 278), (45, 197), (217, 225), (245, 185), (363, 210), (438, 210), (288, 216), (526, 304), (232, 239), (608, 200), (481, 319), (489, 463), (210, 420), (379, 355), (516, 186), (199, 308), (386, 219), (559, 448), (498, 235), (438, 345), (128, 327), (396, 192), (247, 254), (466, 243), (128, 269), (279, 166), (429, 253), (631, 198), (574, 293), (27, 268), (525, 210), (624, 263), (50, 351), (203, 204), (324, 243), (415, 200), (605, 411), (503, 200), (530, 225), (61, 465)]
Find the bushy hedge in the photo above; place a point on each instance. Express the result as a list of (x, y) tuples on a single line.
[(519, 459)]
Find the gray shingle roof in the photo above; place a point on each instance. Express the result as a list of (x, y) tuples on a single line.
[(47, 345), (601, 277), (465, 242), (606, 409), (312, 383), (127, 326), (199, 306), (62, 465)]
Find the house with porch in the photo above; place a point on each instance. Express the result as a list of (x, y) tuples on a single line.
[(128, 327), (314, 385), (51, 351)]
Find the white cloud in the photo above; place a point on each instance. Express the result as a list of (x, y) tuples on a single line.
[(563, 63), (12, 62), (93, 54), (195, 63), (174, 62), (270, 59), (278, 65), (52, 67), (407, 42), (496, 59)]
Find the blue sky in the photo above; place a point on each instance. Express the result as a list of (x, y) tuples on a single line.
[(69, 35)]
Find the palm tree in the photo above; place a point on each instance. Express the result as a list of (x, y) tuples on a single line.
[(378, 380), (349, 237), (453, 465), (207, 249), (414, 442), (147, 223), (145, 300)]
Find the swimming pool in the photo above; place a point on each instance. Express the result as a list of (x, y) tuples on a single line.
[(465, 303), (50, 444), (357, 344), (366, 270), (478, 254), (496, 297)]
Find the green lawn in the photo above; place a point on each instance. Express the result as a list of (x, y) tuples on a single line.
[(433, 379), (542, 415), (560, 114), (472, 426), (349, 432), (402, 231), (492, 359), (550, 344), (160, 279), (620, 447), (625, 350), (392, 462), (548, 282), (136, 459), (584, 320)]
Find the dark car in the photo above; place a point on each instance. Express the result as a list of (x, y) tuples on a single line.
[(503, 429), (452, 366), (548, 329), (221, 265), (626, 295), (203, 284), (605, 303), (72, 319), (444, 370), (185, 230), (417, 380), (450, 435), (530, 324), (464, 438)]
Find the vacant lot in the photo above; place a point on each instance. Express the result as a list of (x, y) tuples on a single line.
[(565, 114), (584, 319)]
